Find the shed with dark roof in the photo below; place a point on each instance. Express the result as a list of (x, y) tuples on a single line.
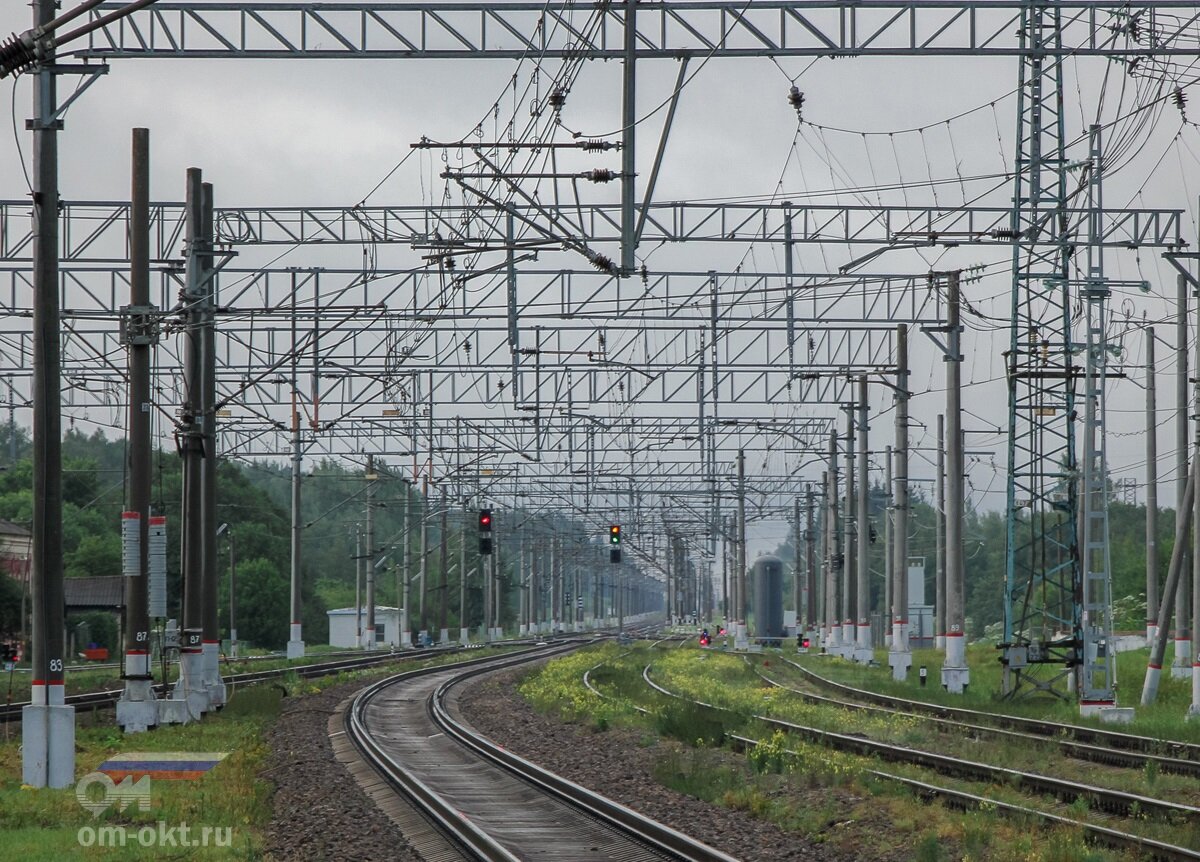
[(100, 593)]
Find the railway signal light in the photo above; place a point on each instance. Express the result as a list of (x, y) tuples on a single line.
[(485, 531), (614, 543)]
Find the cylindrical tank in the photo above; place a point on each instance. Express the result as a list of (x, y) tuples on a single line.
[(768, 598)]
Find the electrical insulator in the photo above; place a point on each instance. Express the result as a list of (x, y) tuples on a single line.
[(600, 175), (602, 263), (557, 99), (17, 53), (796, 100), (595, 146)]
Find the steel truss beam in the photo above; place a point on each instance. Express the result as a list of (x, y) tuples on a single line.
[(364, 364), (99, 230), (674, 299), (666, 30)]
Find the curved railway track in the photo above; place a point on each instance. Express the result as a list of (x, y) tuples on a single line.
[(1124, 804), (1122, 757), (493, 804), (1116, 741)]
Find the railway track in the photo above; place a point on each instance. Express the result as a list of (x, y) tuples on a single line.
[(1102, 799), (492, 804), (1115, 741), (225, 660), (108, 698), (1122, 757)]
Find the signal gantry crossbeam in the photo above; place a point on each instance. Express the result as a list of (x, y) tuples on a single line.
[(670, 29), (99, 230)]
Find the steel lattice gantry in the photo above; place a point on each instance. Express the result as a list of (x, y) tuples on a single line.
[(667, 30), (99, 230)]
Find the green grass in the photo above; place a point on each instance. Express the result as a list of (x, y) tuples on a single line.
[(43, 825), (827, 796), (1165, 719)]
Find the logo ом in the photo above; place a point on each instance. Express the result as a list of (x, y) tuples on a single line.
[(111, 793)]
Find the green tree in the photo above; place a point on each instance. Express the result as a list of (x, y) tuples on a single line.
[(95, 554), (263, 595)]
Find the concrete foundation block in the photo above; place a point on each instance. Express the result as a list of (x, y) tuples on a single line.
[(48, 745), (1117, 715), (955, 679), (173, 711), (899, 661), (137, 710)]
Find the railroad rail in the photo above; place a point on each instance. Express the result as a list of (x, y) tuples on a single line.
[(493, 804), (1126, 804), (1078, 733), (1122, 757), (109, 697), (1097, 834), (226, 661)]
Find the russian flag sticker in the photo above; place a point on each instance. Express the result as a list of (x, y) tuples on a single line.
[(166, 765)]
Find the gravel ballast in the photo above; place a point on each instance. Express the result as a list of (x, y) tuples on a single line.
[(620, 765), (320, 812)]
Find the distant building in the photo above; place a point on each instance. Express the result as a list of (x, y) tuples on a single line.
[(344, 622), (16, 549), (96, 593)]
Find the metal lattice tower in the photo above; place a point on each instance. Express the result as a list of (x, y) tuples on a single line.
[(1041, 616), (1096, 684)]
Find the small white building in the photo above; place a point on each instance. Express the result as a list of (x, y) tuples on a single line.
[(344, 623)]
